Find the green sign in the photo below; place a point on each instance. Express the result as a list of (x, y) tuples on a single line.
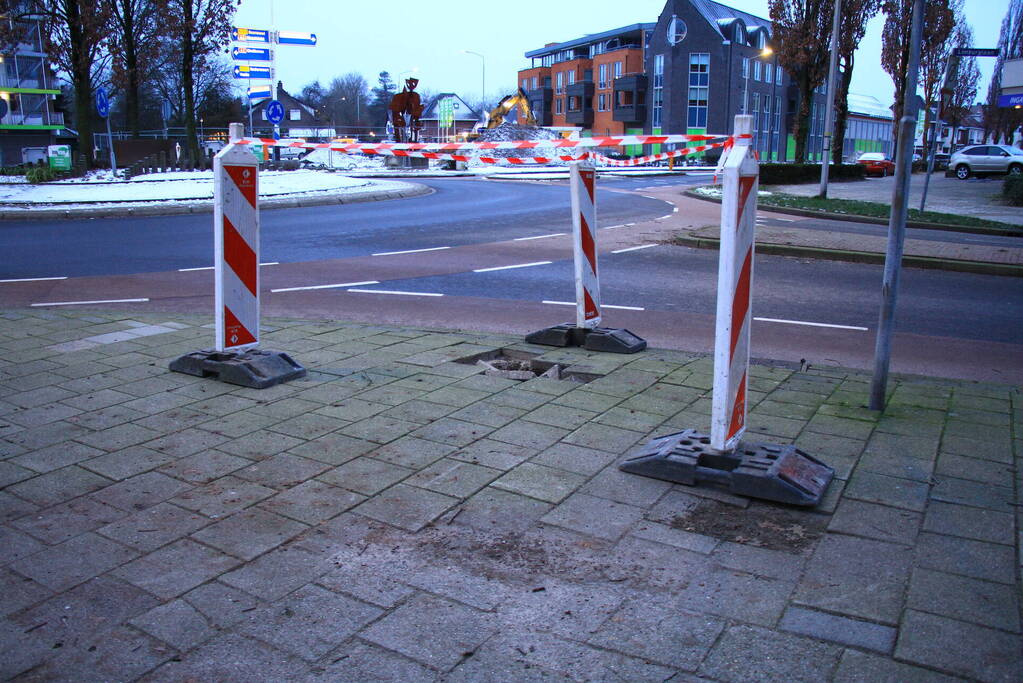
[(60, 157), (447, 111)]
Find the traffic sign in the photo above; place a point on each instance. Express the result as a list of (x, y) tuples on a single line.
[(250, 35), (251, 54), (976, 51), (102, 102), (1011, 100), (274, 112), (296, 38), (257, 92), (246, 71)]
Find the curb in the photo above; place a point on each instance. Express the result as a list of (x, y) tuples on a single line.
[(927, 262), (852, 218), (193, 206)]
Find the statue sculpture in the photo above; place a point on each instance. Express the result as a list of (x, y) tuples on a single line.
[(406, 103)]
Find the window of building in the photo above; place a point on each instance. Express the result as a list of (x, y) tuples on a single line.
[(658, 93), (740, 35), (677, 30), (745, 67), (547, 60), (699, 89), (525, 84), (294, 114), (571, 77), (559, 83), (768, 73), (618, 69), (756, 119), (602, 102), (756, 70), (559, 106), (574, 103), (602, 80), (534, 82)]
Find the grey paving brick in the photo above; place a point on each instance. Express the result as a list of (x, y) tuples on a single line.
[(361, 578), (613, 484), (998, 450), (861, 667), (205, 467), (11, 473), (453, 477), (413, 451), (72, 562), (333, 449), (433, 631), (970, 522), (733, 594), (282, 471), (18, 592), (487, 413), (406, 507), (656, 629), (121, 436), (278, 572), (127, 463), (879, 522), (351, 409), (222, 606), (186, 441), (749, 653), (176, 623), (176, 568), (774, 564), (12, 507), (856, 577), (250, 533), (843, 630), (965, 649), (604, 437), (501, 512), (529, 435), (494, 454), (563, 608), (365, 475), (259, 445), (223, 496), (974, 469), (882, 444), (61, 522), (893, 491), (312, 502), (58, 486), (355, 662), (964, 492), (668, 535), (466, 586), (238, 424), (976, 559), (153, 527), (537, 481), (50, 458), (585, 461), (593, 516), (979, 602), (379, 429), (230, 656), (141, 491)]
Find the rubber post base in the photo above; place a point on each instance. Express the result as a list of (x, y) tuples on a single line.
[(781, 473), (612, 340), (253, 368)]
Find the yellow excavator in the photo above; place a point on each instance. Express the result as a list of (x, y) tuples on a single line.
[(508, 103)]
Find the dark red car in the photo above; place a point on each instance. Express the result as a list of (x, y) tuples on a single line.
[(877, 164)]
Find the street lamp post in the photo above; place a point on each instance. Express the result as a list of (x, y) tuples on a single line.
[(483, 71), (775, 109)]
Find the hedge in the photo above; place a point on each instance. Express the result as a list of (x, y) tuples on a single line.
[(785, 174), (1012, 189)]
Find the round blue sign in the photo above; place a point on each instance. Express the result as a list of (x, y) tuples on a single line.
[(274, 112), (102, 102)]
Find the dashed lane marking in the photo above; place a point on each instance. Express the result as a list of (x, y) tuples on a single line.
[(572, 303), (810, 324), (390, 291), (642, 246), (190, 270), (517, 265), (339, 285), (408, 251), (35, 279), (85, 303), (539, 237)]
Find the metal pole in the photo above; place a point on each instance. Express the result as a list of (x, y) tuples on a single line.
[(113, 157), (897, 222), (829, 113), (947, 89), (774, 109)]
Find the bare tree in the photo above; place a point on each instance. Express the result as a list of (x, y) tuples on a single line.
[(200, 28), (939, 20), (73, 35), (855, 15), (964, 90), (802, 32), (346, 102), (1002, 122), (134, 40)]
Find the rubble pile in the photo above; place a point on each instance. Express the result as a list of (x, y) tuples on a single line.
[(513, 131)]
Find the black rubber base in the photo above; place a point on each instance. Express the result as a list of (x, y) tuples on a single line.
[(593, 339), (253, 368), (756, 470)]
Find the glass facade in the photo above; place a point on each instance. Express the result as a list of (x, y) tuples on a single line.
[(699, 88), (658, 108)]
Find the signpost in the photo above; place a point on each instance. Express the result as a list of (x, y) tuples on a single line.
[(59, 157), (1011, 100), (103, 109), (251, 54), (245, 71), (250, 35), (976, 52), (275, 114), (296, 38)]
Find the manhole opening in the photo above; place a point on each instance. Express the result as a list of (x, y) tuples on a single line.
[(523, 366)]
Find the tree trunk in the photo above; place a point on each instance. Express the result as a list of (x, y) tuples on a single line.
[(802, 129), (841, 114), (81, 80), (131, 65), (188, 82)]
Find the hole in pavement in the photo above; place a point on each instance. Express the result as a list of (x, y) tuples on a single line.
[(523, 366)]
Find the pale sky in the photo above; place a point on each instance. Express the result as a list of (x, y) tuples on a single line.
[(401, 36)]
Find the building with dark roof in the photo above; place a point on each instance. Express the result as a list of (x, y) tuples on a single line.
[(447, 115)]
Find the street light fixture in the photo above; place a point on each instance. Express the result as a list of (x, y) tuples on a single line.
[(483, 71)]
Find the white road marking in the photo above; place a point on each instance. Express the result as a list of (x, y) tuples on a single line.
[(189, 270), (572, 303), (612, 227), (335, 286), (389, 291), (408, 251), (539, 237), (663, 217), (784, 220), (803, 322), (675, 210), (518, 265), (83, 303), (649, 197), (35, 279), (642, 246)]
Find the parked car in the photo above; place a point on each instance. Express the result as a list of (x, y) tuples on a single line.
[(981, 159), (877, 163)]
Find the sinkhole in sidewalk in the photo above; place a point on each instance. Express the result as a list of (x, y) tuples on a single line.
[(523, 366)]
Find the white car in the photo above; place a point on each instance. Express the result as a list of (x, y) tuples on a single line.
[(978, 159)]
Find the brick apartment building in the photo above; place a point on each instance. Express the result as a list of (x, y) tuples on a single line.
[(692, 71)]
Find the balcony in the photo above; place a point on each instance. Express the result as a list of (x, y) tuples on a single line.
[(540, 101), (630, 113), (630, 99)]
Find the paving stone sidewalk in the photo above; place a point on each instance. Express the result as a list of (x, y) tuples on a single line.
[(399, 516)]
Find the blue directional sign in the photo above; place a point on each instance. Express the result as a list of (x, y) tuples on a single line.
[(296, 38), (245, 71), (258, 92), (1011, 100), (251, 54), (274, 112), (102, 102), (250, 35)]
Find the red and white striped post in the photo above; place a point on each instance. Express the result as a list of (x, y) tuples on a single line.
[(735, 274), (584, 233), (235, 357), (236, 245)]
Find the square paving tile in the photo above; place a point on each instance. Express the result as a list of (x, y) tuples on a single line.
[(878, 488), (259, 445), (128, 462), (203, 468), (17, 544), (141, 491), (604, 437), (153, 527), (223, 496), (334, 449), (975, 652), (406, 507), (435, 632), (501, 512), (412, 452), (176, 623), (453, 477), (880, 522), (976, 559), (750, 653), (62, 522), (250, 533), (176, 568), (494, 454), (565, 456), (365, 475), (54, 457), (969, 522), (279, 572), (58, 486), (594, 516), (73, 562), (529, 435), (538, 481), (282, 471), (958, 597), (312, 502), (379, 429)]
